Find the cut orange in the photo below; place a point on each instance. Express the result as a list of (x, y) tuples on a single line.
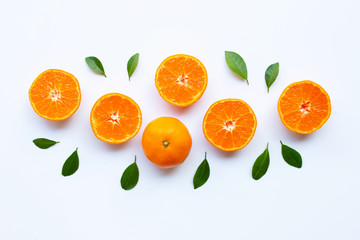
[(229, 124), (181, 80), (304, 107), (115, 118), (55, 94)]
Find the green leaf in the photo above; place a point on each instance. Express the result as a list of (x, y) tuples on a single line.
[(202, 174), (130, 177), (44, 143), (291, 156), (132, 64), (236, 64), (95, 65), (71, 164), (271, 74), (261, 164)]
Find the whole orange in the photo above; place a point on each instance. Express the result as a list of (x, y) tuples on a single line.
[(166, 142)]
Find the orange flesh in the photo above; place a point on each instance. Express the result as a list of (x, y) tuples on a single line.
[(181, 79), (115, 118), (55, 94), (229, 124), (304, 107)]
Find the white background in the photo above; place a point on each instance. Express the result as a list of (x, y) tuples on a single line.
[(315, 40)]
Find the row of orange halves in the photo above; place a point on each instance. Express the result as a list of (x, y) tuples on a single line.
[(229, 124)]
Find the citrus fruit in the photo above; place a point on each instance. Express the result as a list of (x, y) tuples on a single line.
[(166, 142), (181, 80), (55, 95), (115, 118), (229, 124), (304, 107)]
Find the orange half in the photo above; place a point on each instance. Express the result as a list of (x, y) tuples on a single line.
[(229, 124), (55, 95), (181, 80), (304, 107), (115, 118)]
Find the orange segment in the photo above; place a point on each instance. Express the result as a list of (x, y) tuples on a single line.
[(55, 94), (304, 107), (181, 80), (229, 124), (115, 118)]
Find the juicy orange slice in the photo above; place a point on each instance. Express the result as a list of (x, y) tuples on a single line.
[(115, 118), (55, 94), (181, 80), (304, 107), (229, 124)]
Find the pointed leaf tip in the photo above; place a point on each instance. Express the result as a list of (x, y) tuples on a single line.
[(261, 164), (291, 156), (95, 64), (130, 177), (271, 74), (202, 174), (44, 143), (71, 164), (132, 64), (236, 64)]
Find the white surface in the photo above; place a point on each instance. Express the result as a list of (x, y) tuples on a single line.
[(316, 40)]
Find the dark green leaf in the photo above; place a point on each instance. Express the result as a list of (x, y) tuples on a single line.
[(44, 143), (291, 156), (202, 174), (71, 164), (130, 177), (271, 74), (95, 65), (236, 64), (261, 164), (132, 64)]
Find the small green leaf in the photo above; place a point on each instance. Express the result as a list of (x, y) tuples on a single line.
[(271, 74), (44, 143), (132, 64), (95, 65), (236, 64), (71, 164), (291, 156), (130, 177), (261, 164), (202, 174)]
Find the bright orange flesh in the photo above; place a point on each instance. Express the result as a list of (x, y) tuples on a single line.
[(229, 124), (55, 95), (181, 80), (166, 142), (115, 118), (304, 107)]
